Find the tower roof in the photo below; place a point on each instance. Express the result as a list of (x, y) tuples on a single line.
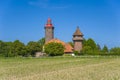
[(49, 23), (78, 32)]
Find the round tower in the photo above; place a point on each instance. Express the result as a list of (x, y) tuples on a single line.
[(78, 39), (49, 31)]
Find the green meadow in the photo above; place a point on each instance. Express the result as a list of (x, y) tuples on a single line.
[(61, 68)]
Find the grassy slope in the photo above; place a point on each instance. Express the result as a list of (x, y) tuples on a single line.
[(82, 68)]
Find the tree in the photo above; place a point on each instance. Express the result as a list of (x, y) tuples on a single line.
[(105, 49), (2, 47), (90, 42), (33, 47), (89, 47), (115, 51), (87, 50), (54, 49), (8, 49), (5, 49), (41, 42), (84, 42), (98, 47), (18, 48)]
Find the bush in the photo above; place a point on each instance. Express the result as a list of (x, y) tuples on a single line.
[(76, 53), (67, 55), (54, 49)]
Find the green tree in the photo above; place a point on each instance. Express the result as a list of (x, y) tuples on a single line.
[(105, 49), (8, 49), (87, 50), (89, 47), (54, 49), (41, 41), (84, 42), (90, 42), (5, 49), (2, 47), (115, 51), (18, 48), (33, 47), (98, 47)]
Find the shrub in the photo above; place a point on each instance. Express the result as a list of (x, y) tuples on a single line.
[(76, 52)]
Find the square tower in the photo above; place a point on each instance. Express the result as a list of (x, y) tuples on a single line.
[(49, 31)]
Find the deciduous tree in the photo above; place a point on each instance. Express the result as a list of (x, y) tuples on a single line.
[(33, 47), (54, 49)]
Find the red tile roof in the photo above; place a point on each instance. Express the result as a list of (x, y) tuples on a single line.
[(68, 48)]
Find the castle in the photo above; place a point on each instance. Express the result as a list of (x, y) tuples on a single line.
[(77, 38)]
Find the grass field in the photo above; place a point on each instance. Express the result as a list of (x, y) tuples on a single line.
[(60, 68)]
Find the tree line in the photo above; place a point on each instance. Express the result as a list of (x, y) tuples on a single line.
[(17, 48), (91, 48)]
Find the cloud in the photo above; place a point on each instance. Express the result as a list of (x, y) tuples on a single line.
[(47, 4)]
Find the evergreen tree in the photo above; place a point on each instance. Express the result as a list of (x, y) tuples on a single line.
[(89, 47), (98, 47), (90, 42), (105, 49)]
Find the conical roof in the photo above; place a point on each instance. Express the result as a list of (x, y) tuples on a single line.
[(78, 32)]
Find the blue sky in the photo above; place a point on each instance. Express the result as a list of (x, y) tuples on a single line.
[(25, 19)]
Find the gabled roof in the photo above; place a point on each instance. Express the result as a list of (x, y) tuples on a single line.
[(68, 47), (78, 32)]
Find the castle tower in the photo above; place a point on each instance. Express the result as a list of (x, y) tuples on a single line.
[(78, 39), (49, 31)]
